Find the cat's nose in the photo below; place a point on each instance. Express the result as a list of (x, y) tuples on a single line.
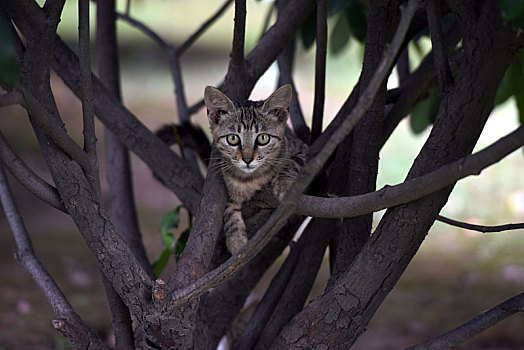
[(247, 160)]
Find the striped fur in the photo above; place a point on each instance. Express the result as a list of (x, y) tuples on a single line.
[(246, 162)]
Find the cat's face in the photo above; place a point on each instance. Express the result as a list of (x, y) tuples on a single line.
[(249, 136)]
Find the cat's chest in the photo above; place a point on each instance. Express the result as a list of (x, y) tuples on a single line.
[(241, 190)]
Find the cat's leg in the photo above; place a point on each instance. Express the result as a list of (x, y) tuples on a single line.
[(285, 178), (234, 227)]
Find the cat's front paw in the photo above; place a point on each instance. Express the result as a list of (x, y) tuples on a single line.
[(235, 242), (280, 188)]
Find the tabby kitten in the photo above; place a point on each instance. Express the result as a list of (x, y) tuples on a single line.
[(256, 148)]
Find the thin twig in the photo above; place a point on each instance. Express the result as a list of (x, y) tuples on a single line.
[(26, 256), (239, 32), (27, 177), (480, 228), (88, 110), (476, 325), (390, 196), (320, 70), (445, 78), (288, 205), (191, 40), (145, 29)]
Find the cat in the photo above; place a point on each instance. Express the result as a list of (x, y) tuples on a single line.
[(256, 149)]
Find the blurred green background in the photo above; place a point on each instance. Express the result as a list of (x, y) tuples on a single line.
[(456, 274)]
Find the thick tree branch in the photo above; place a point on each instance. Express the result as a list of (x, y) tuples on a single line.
[(320, 70), (473, 327), (445, 78), (83, 337), (480, 228), (27, 177), (412, 189), (288, 205)]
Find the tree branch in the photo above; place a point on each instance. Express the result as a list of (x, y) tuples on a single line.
[(239, 32), (55, 132), (445, 78), (191, 40), (320, 70), (480, 228), (287, 206), (23, 173), (144, 29), (84, 336), (476, 325), (410, 190)]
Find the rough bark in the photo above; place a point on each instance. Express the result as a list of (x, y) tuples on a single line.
[(337, 318)]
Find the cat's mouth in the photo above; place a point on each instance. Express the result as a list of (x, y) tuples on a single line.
[(248, 168)]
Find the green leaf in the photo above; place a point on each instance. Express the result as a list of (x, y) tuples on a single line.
[(9, 69), (169, 221), (181, 243), (425, 112), (161, 262), (512, 10), (339, 35), (358, 21), (308, 32), (511, 85)]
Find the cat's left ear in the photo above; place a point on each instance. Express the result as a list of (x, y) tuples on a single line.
[(216, 103), (278, 102)]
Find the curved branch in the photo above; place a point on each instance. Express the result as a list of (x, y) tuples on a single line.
[(480, 228), (144, 29), (478, 324), (288, 205), (83, 336), (27, 177), (410, 190)]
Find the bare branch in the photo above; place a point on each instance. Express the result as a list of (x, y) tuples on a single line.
[(28, 177), (55, 132), (145, 29), (191, 40), (480, 228), (288, 205), (239, 32), (88, 112), (476, 325), (390, 196), (320, 70), (445, 78), (84, 336)]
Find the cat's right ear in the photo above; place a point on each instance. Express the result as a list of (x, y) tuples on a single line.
[(217, 104)]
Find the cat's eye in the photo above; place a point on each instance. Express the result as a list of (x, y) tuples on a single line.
[(263, 139), (233, 139)]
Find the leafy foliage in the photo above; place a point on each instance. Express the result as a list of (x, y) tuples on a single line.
[(425, 112), (512, 85), (351, 21), (175, 247), (9, 69)]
